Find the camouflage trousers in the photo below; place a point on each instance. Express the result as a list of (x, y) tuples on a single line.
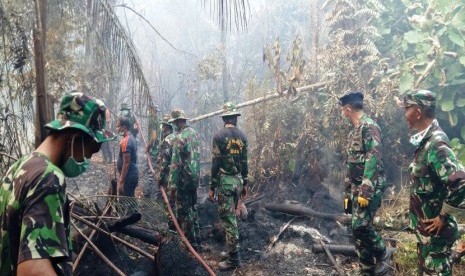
[(434, 256), (228, 196), (171, 194), (369, 245), (187, 215)]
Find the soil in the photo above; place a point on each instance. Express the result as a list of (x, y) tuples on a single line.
[(291, 254)]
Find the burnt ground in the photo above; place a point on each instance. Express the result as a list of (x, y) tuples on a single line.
[(291, 254)]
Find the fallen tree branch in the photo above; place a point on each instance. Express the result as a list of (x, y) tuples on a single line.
[(251, 201), (270, 96), (98, 252), (331, 258), (300, 210), (146, 235), (275, 238), (83, 249), (133, 247)]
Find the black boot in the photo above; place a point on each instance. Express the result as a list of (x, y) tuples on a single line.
[(384, 265), (231, 263)]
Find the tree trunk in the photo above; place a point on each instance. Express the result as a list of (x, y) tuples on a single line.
[(42, 103), (225, 65), (315, 40)]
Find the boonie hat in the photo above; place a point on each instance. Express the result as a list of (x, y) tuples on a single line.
[(423, 98), (85, 113), (229, 109)]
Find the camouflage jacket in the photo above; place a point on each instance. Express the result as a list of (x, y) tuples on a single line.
[(153, 133), (34, 211), (164, 159), (185, 166), (229, 155), (437, 181), (365, 169)]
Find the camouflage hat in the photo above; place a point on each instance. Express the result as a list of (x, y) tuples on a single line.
[(84, 113), (166, 120), (422, 98), (124, 106), (177, 114), (229, 109)]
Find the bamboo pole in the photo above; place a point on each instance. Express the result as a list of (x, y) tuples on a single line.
[(269, 96)]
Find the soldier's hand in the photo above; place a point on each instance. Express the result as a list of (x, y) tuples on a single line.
[(363, 202), (434, 225), (244, 192), (211, 196)]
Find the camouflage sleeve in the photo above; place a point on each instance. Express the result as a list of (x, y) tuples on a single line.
[(451, 173), (43, 230), (245, 167), (216, 163), (176, 166), (372, 143)]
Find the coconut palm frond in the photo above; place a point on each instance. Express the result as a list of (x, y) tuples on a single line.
[(226, 12), (366, 13), (115, 49)]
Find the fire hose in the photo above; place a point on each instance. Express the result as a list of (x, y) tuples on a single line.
[(172, 217)]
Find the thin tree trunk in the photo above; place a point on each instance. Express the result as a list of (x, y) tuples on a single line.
[(315, 40), (42, 104), (225, 65)]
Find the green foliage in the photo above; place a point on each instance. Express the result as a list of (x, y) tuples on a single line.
[(459, 149), (433, 55), (406, 257)]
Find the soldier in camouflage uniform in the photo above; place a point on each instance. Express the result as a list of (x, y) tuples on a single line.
[(229, 177), (184, 175), (164, 162), (152, 147), (34, 208), (365, 183), (437, 185), (125, 111)]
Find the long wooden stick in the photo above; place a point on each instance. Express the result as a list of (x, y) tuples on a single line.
[(92, 234), (270, 96), (98, 252), (275, 239), (331, 258), (133, 247)]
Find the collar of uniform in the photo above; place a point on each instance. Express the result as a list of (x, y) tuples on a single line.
[(431, 128), (361, 120)]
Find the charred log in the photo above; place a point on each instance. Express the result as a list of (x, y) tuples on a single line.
[(299, 210)]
